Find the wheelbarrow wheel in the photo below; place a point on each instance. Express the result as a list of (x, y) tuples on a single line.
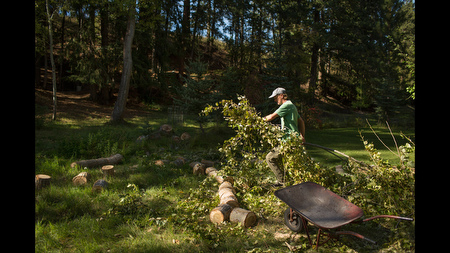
[(296, 224)]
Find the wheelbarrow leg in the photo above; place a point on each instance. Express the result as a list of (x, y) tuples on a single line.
[(318, 238), (306, 229)]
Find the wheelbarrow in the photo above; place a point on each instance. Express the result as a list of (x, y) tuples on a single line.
[(311, 202)]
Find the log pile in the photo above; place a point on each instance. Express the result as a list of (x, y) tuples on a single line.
[(228, 208)]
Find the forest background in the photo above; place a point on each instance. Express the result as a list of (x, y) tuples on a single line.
[(194, 52)]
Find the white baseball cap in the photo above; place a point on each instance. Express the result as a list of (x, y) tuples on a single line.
[(278, 91)]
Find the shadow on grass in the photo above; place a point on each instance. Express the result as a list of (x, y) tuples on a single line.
[(348, 141)]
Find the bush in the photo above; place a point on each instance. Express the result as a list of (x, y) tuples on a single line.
[(378, 189)]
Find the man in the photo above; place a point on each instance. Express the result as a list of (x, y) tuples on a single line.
[(290, 121)]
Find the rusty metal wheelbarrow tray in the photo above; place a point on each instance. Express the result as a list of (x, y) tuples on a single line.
[(323, 208)]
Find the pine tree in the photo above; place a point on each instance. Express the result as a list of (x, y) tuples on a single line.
[(198, 91)]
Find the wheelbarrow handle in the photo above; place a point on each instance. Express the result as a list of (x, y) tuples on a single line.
[(388, 216), (355, 234)]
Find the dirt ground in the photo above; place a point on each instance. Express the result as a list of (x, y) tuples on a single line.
[(77, 105)]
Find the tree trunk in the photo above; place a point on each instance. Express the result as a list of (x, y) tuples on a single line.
[(93, 163), (52, 61), (61, 54), (314, 60), (185, 31), (220, 214), (81, 179), (119, 106), (245, 217), (41, 181)]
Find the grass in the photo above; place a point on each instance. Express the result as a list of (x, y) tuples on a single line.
[(139, 211), (348, 141)]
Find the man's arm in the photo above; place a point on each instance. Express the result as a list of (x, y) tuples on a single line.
[(301, 127), (271, 117)]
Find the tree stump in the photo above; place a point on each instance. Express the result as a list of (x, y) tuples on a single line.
[(99, 185), (81, 179), (95, 163), (220, 214), (108, 170), (245, 217), (41, 181), (199, 169)]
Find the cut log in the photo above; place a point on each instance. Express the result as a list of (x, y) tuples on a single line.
[(192, 164), (176, 139), (99, 162), (108, 170), (207, 163), (209, 170), (230, 200), (227, 194), (199, 169), (185, 136), (41, 181), (161, 162), (166, 129), (81, 179), (180, 161), (226, 191), (226, 184), (245, 217), (219, 179), (99, 185), (220, 214)]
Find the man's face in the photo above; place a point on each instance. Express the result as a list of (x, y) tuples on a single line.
[(279, 99)]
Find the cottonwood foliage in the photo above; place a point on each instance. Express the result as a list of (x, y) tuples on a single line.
[(380, 188)]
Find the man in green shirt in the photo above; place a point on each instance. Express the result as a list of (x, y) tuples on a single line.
[(291, 121)]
